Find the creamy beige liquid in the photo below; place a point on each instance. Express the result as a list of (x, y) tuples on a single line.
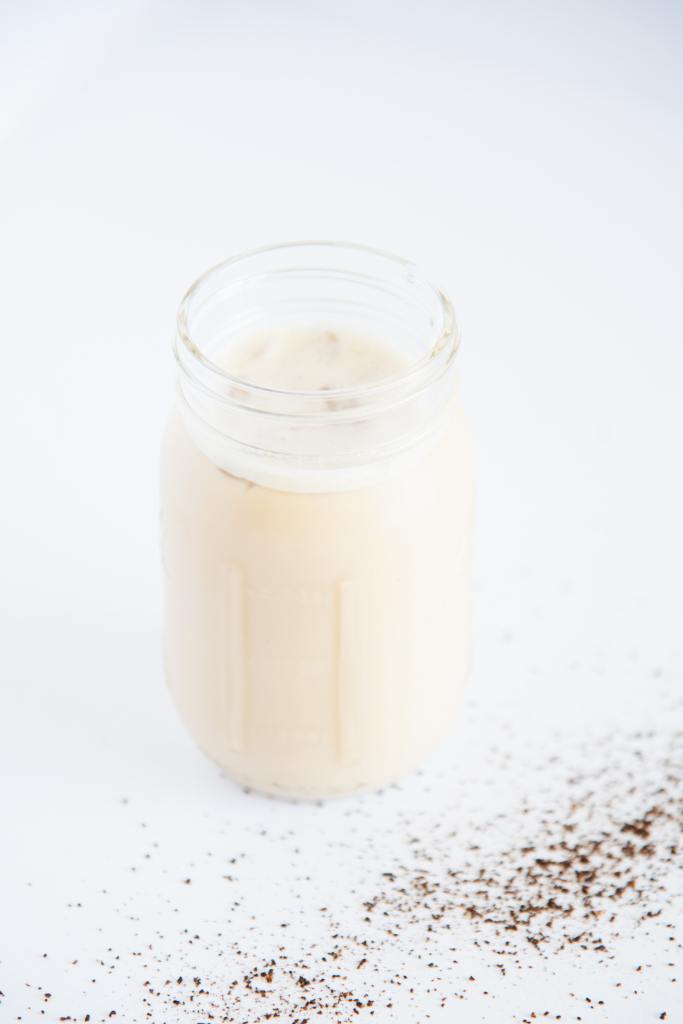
[(310, 359), (317, 643)]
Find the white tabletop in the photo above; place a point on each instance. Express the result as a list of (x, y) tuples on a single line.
[(529, 156)]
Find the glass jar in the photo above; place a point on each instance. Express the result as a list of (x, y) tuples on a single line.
[(316, 543)]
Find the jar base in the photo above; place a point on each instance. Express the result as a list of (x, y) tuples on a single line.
[(315, 794)]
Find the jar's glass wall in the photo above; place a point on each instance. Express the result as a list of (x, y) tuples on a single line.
[(317, 637)]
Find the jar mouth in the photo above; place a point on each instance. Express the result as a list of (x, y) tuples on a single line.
[(384, 273)]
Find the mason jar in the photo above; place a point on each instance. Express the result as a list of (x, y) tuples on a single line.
[(316, 541)]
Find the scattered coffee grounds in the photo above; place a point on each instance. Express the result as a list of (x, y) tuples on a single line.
[(590, 859), (608, 841)]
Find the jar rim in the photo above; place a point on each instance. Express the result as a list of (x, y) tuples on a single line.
[(442, 351)]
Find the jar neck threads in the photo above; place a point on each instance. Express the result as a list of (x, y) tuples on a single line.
[(314, 440)]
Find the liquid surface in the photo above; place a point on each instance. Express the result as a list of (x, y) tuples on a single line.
[(310, 359)]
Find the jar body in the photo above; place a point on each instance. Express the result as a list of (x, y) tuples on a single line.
[(317, 643)]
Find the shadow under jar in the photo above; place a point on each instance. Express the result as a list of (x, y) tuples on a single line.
[(316, 538)]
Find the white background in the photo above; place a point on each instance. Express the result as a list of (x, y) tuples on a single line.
[(530, 157)]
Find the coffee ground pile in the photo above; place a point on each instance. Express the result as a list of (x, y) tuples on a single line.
[(589, 857)]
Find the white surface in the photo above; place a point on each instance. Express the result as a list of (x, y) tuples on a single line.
[(530, 158)]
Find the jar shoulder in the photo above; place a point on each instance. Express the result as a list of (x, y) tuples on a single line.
[(433, 491)]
